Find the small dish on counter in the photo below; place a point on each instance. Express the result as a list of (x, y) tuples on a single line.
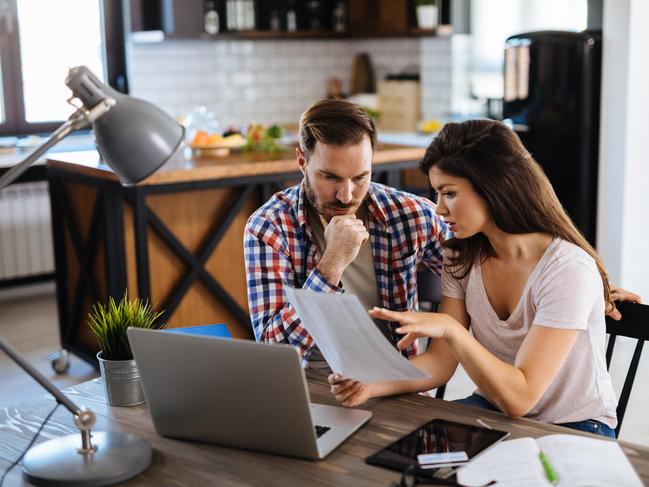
[(223, 147)]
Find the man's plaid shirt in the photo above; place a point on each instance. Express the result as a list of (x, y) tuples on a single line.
[(279, 250)]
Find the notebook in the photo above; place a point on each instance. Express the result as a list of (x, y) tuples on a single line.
[(576, 460)]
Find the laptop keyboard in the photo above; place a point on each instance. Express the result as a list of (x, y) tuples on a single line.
[(321, 430)]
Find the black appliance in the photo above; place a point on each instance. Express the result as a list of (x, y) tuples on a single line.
[(552, 98)]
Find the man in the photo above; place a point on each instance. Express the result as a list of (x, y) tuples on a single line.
[(337, 231)]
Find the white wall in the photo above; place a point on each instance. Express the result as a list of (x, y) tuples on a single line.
[(623, 206), (275, 80)]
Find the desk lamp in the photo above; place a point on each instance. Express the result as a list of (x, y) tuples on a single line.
[(134, 138)]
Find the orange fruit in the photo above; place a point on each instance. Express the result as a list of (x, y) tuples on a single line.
[(200, 138), (214, 139)]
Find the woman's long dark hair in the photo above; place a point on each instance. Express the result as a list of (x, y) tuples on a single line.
[(517, 192)]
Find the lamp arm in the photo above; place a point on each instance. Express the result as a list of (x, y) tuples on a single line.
[(78, 120), (84, 418)]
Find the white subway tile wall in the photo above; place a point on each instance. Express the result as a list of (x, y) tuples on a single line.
[(460, 71), (436, 80), (275, 80)]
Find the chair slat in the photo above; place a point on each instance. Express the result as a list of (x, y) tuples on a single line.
[(609, 350), (634, 324), (628, 385)]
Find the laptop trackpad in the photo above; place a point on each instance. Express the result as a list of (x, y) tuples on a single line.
[(321, 430), (341, 421)]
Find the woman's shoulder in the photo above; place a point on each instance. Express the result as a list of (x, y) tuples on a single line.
[(453, 272), (568, 251), (566, 256), (568, 283)]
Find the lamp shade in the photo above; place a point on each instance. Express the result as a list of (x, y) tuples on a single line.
[(134, 137)]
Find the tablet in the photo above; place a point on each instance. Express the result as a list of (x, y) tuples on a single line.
[(438, 443)]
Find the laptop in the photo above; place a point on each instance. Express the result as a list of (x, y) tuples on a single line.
[(236, 393)]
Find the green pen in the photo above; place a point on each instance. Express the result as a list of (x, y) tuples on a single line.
[(549, 470)]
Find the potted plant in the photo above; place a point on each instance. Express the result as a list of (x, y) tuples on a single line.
[(108, 323), (427, 14)]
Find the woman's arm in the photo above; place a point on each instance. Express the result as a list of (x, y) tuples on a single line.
[(514, 388)]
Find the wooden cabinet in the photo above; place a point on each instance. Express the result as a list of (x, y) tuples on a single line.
[(378, 17)]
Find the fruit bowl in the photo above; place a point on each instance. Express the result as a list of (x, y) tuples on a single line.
[(217, 145)]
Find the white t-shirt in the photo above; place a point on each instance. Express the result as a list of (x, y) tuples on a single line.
[(563, 291)]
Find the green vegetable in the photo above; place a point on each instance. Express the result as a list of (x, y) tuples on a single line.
[(261, 139), (275, 131)]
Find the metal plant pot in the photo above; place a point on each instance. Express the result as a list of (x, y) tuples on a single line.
[(121, 381)]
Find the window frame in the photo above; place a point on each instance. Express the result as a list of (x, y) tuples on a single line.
[(113, 41)]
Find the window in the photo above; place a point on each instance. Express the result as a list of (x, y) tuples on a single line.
[(490, 30), (40, 40), (49, 48)]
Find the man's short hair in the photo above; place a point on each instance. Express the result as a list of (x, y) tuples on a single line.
[(335, 122)]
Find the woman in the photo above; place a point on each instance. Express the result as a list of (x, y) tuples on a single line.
[(522, 277)]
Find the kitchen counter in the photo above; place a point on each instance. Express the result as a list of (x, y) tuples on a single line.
[(185, 167), (76, 142), (82, 144)]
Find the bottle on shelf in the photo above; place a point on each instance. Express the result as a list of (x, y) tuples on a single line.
[(240, 15), (339, 19), (248, 14), (231, 14), (212, 17), (314, 8), (274, 20), (291, 16)]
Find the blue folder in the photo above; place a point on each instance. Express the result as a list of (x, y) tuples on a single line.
[(217, 330)]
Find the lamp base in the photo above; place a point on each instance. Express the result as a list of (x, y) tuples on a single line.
[(57, 462)]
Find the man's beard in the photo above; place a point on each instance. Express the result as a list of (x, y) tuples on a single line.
[(324, 209)]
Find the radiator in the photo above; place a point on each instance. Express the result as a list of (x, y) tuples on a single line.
[(25, 231)]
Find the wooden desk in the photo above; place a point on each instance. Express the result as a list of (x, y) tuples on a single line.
[(185, 463), (175, 239)]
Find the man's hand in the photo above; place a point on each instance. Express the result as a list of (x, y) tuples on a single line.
[(348, 392), (619, 294), (344, 236)]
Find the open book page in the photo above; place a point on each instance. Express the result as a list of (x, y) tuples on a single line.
[(579, 460), (349, 340), (513, 463)]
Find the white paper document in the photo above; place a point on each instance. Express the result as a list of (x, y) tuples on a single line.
[(349, 340), (577, 461)]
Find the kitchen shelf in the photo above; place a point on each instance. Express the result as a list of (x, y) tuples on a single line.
[(146, 37), (364, 20)]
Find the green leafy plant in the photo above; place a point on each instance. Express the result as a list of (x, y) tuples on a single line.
[(260, 138), (108, 323), (372, 113)]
